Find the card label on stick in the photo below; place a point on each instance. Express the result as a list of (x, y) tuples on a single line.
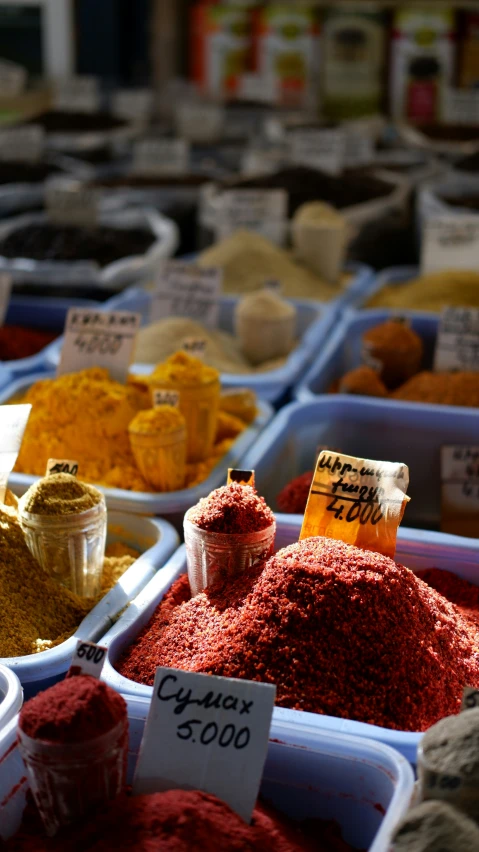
[(13, 422), (165, 397), (77, 94), (261, 210), (460, 490), (242, 477), (61, 466), (321, 149), (357, 501), (22, 144), (133, 104), (450, 242), (99, 339), (187, 290), (161, 157), (206, 733), (457, 343), (88, 659)]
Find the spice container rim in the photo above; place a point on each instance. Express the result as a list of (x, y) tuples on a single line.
[(300, 744), (34, 669), (460, 556), (136, 502)]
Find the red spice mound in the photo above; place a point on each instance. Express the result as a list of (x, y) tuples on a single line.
[(460, 592), (294, 496), (339, 630), (74, 710), (18, 342), (232, 509), (181, 821)]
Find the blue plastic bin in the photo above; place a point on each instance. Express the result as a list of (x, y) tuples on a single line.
[(363, 785), (388, 277), (42, 313), (158, 541), (366, 428), (416, 549), (313, 326), (170, 505), (343, 351)]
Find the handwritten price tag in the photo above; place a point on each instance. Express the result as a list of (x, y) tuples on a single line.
[(242, 477), (450, 242), (457, 343), (5, 290), (161, 157), (13, 78), (70, 203), (133, 104), (13, 422), (460, 490), (99, 339), (206, 733), (199, 122), (261, 210), (22, 144), (61, 466), (195, 346), (166, 397), (321, 149), (187, 290), (77, 94), (357, 501), (88, 659)]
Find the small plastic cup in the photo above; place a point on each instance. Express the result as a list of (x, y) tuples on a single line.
[(70, 780), (199, 405), (457, 790), (211, 556), (161, 457), (70, 548)]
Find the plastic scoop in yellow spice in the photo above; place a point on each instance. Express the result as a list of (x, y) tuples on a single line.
[(358, 501)]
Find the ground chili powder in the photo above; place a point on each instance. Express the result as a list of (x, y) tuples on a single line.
[(339, 630), (18, 342), (232, 509), (294, 496)]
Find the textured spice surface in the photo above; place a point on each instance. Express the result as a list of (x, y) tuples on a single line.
[(73, 710), (183, 369), (398, 348), (183, 821), (165, 418), (435, 827), (60, 494), (339, 630), (363, 380), (232, 509), (293, 497), (461, 388), (46, 241), (451, 746), (18, 342), (455, 287)]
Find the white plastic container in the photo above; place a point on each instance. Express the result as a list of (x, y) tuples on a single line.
[(363, 785), (418, 550), (11, 696), (158, 540)]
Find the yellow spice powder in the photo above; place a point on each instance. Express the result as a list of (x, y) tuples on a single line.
[(164, 418), (455, 287), (184, 370)]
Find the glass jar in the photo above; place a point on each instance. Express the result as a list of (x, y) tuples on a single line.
[(69, 780), (70, 548), (213, 555), (161, 457), (199, 405)]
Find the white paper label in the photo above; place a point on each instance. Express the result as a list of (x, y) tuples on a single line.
[(13, 421), (450, 242), (99, 339), (199, 122), (13, 79), (70, 203), (206, 733), (358, 149), (164, 396), (195, 346), (88, 659), (77, 94), (22, 144), (273, 285), (460, 490), (61, 466), (133, 104), (187, 290), (261, 210), (5, 290), (161, 157), (457, 342), (460, 106), (320, 149), (460, 463)]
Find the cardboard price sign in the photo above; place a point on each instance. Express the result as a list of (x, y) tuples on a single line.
[(187, 290), (13, 422), (88, 659), (357, 501), (262, 210), (61, 466), (450, 242), (22, 144), (165, 397), (77, 94), (99, 339), (321, 149), (457, 342), (133, 104), (460, 490), (161, 157), (242, 477), (206, 733)]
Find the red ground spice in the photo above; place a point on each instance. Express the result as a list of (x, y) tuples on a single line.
[(339, 630), (294, 496), (73, 710), (460, 592), (232, 509), (18, 342), (182, 821)]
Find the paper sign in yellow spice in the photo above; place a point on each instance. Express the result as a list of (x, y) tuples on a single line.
[(358, 501)]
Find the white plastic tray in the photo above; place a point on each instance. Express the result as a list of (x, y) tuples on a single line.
[(158, 540), (417, 550), (308, 774)]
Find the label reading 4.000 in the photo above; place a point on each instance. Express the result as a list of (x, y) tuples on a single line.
[(99, 339)]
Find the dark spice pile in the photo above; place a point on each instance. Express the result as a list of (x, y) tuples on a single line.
[(57, 121), (232, 509), (339, 630), (294, 496), (21, 172), (18, 342), (56, 242)]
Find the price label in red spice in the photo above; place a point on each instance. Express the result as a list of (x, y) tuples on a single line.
[(242, 477), (88, 659), (166, 397), (460, 490), (13, 422), (61, 466), (206, 733), (99, 339), (5, 290), (357, 501)]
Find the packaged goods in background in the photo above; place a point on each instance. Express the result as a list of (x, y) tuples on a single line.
[(469, 57), (422, 63), (354, 45), (220, 46), (286, 40)]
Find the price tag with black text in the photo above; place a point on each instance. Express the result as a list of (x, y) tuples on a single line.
[(22, 144), (195, 346), (187, 290), (161, 157), (261, 210), (61, 466), (77, 94), (450, 242), (13, 422), (133, 104), (322, 149), (457, 342), (165, 397), (460, 490), (99, 339), (88, 659), (206, 733)]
